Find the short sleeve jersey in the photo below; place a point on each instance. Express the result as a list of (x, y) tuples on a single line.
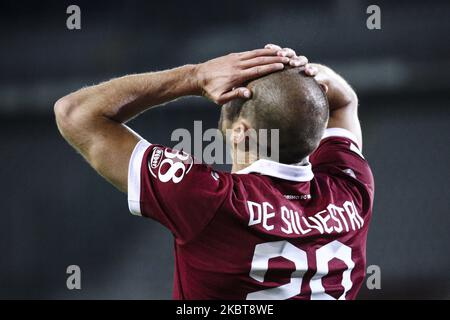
[(270, 231)]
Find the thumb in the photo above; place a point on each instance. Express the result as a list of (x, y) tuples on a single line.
[(324, 87)]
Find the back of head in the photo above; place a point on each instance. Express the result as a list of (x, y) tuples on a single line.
[(289, 101)]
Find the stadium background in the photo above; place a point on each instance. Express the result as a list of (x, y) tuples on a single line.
[(56, 212)]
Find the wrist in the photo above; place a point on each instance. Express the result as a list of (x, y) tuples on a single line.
[(193, 78)]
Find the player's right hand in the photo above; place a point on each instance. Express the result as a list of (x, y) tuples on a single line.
[(221, 80)]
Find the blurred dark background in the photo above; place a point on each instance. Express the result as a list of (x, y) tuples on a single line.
[(55, 211)]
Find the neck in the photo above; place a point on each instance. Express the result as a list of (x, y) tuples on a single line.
[(240, 163), (240, 166)]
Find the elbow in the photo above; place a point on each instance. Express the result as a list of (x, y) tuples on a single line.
[(62, 108), (351, 101), (66, 110), (354, 102)]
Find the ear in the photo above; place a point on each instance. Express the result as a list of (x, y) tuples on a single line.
[(239, 129)]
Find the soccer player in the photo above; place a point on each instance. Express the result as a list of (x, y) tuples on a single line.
[(295, 228)]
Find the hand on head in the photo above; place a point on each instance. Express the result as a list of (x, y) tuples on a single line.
[(222, 79), (296, 61)]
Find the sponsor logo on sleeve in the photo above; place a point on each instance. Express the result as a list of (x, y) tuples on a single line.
[(168, 165), (156, 158)]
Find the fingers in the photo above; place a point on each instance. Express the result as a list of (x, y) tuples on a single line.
[(259, 71), (284, 52), (287, 52), (311, 70), (260, 61), (273, 46), (237, 93), (298, 61), (295, 61), (263, 56), (257, 53)]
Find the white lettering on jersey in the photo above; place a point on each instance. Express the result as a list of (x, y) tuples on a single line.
[(255, 217), (167, 165), (260, 213), (334, 219)]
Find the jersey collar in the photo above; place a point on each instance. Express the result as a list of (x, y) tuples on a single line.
[(299, 173)]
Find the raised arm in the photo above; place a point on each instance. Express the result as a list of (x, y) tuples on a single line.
[(93, 119), (342, 99)]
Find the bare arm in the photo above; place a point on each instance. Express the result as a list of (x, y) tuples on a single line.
[(93, 119), (342, 99)]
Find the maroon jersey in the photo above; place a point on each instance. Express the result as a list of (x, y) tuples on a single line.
[(270, 231)]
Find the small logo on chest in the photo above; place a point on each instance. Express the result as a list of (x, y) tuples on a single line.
[(297, 196)]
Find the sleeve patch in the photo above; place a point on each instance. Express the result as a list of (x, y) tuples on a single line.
[(168, 165)]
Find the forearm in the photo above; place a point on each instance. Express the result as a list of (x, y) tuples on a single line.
[(339, 93), (92, 119), (123, 98), (342, 100)]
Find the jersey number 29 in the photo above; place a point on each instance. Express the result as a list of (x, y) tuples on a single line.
[(269, 250)]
